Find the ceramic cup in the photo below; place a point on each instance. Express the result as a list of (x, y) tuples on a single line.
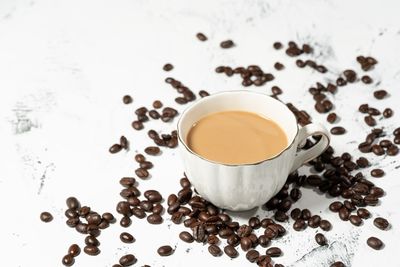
[(245, 186)]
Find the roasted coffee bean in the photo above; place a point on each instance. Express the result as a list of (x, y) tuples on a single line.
[(350, 75), (181, 100), (203, 93), (93, 218), (396, 131), (314, 180), (123, 142), (186, 237), (233, 240), (392, 150), (177, 217), (73, 203), (265, 222), (376, 192), (214, 250), (154, 219), (374, 243), (127, 181), (115, 148), (153, 196), (276, 90), (325, 225), (201, 37), (245, 243), (370, 121), (363, 108), (320, 239), (154, 114), (127, 260), (364, 147), (74, 250), (381, 223), (362, 162), (212, 240), (68, 260), (331, 118), (271, 233), (104, 224), (305, 214), (127, 99), (314, 221), (82, 228), (244, 230), (152, 150), (371, 200), (274, 252), (300, 63), (321, 69), (277, 45), (46, 217), (157, 104), (126, 237), (279, 66), (230, 251), (91, 250), (377, 173), (295, 194), (125, 221), (341, 82), (350, 206), (133, 201), (123, 208), (158, 208), (373, 111), (355, 220), (377, 150), (264, 241), (199, 233), (338, 264), (252, 255), (73, 222), (366, 79), (344, 213), (396, 139), (142, 173), (184, 182), (385, 143), (295, 214), (91, 241), (227, 44), (165, 251), (380, 94), (137, 125), (254, 223), (338, 130), (168, 67), (299, 225)]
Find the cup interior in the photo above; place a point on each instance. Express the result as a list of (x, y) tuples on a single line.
[(258, 103)]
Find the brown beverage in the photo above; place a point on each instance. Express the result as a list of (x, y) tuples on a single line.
[(236, 137)]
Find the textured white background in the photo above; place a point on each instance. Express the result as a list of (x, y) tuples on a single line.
[(64, 66)]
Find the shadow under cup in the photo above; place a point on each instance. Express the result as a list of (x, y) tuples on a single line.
[(244, 186)]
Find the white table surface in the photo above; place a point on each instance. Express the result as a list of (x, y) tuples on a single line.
[(65, 65)]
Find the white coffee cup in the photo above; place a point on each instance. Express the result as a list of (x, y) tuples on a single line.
[(245, 186)]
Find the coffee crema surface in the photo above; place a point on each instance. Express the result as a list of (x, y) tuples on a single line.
[(236, 137)]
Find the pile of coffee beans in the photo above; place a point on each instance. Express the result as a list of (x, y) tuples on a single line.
[(337, 176)]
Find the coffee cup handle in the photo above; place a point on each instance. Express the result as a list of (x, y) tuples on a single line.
[(304, 156)]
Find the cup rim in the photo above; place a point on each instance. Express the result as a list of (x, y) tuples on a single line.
[(227, 164)]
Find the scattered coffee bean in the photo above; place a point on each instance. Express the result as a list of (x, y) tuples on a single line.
[(331, 118), (126, 237), (46, 217), (338, 264), (68, 260), (154, 219), (127, 99), (381, 223), (91, 250), (74, 250), (350, 75), (387, 113), (152, 150), (370, 121), (142, 173), (378, 150), (377, 173), (252, 255), (115, 148), (92, 241), (363, 213), (157, 104), (325, 225), (299, 225), (366, 79), (338, 130), (344, 213), (277, 45), (279, 66), (320, 239), (127, 260), (214, 250), (380, 94), (168, 67), (363, 108), (245, 243), (335, 206), (165, 251), (201, 37), (186, 237), (227, 44), (230, 251), (392, 150), (274, 252), (355, 220), (137, 125), (125, 221), (203, 93), (374, 243)]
